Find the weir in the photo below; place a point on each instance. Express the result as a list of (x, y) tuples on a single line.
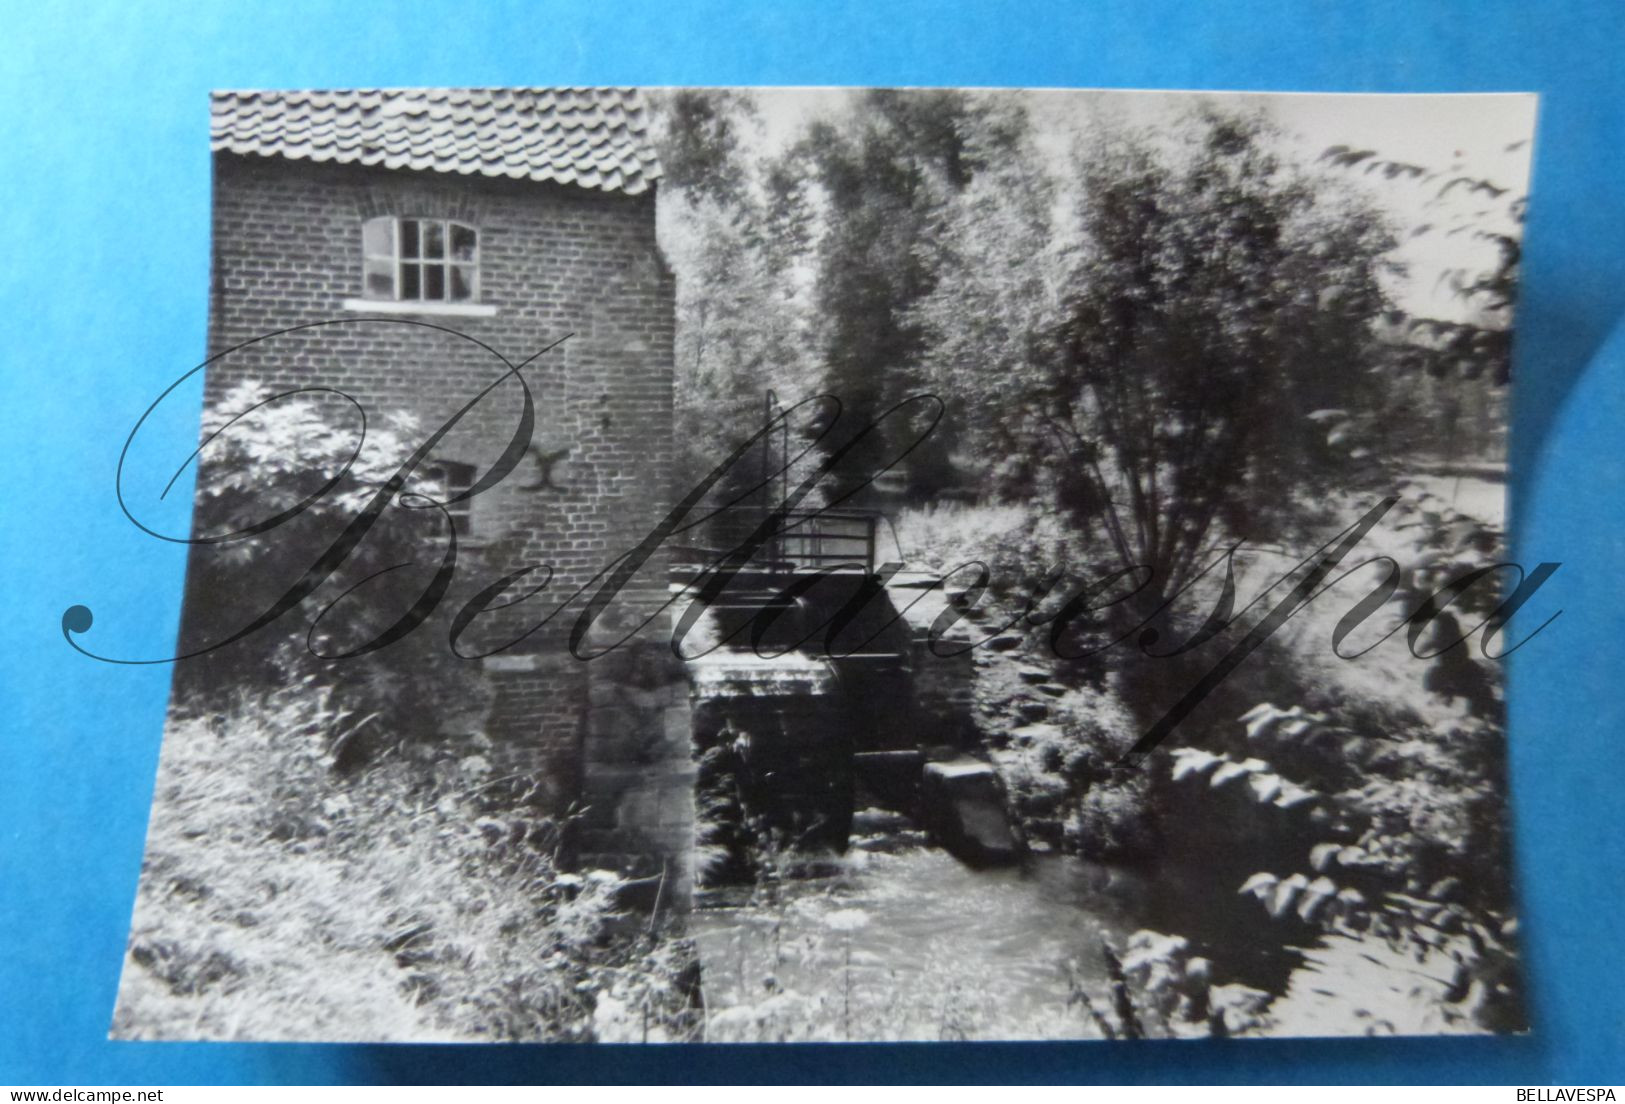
[(813, 688)]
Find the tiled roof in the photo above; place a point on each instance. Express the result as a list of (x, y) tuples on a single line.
[(589, 137)]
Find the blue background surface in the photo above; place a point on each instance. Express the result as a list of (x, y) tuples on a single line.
[(103, 220)]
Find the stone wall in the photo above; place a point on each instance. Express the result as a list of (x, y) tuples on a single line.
[(638, 771), (944, 693), (944, 673)]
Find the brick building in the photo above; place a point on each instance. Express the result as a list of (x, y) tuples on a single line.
[(446, 230)]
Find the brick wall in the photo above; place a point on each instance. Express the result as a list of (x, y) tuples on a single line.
[(554, 260)]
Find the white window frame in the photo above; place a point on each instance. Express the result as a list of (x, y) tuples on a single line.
[(396, 265)]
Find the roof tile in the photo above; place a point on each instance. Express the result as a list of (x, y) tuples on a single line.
[(589, 137)]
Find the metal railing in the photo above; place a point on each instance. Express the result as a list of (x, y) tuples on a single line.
[(813, 541), (829, 539), (810, 541)]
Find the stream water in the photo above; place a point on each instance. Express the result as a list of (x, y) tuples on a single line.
[(913, 944)]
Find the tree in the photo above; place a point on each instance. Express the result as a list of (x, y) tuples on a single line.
[(697, 134), (1223, 296), (735, 230), (886, 174), (991, 323), (1445, 367)]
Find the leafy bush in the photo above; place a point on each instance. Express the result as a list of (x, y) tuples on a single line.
[(1112, 814), (1406, 840), (279, 481), (1014, 540), (1159, 988)]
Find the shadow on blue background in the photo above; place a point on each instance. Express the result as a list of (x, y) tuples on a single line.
[(103, 132)]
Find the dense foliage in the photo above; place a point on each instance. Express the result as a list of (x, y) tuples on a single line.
[(408, 901), (280, 478)]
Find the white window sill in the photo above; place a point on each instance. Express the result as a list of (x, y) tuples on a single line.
[(422, 307)]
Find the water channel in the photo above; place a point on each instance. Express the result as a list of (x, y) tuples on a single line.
[(906, 942)]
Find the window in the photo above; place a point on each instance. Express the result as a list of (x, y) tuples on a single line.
[(420, 260), (447, 480)]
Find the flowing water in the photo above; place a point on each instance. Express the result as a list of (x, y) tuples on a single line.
[(913, 944)]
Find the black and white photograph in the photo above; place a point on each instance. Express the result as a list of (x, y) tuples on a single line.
[(746, 565)]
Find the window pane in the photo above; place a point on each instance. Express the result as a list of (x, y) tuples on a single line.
[(434, 241), (450, 479), (462, 282), (434, 281), (409, 237), (380, 278), (411, 285), (378, 237), (462, 243)]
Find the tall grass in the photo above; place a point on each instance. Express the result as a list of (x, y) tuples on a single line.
[(281, 901)]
